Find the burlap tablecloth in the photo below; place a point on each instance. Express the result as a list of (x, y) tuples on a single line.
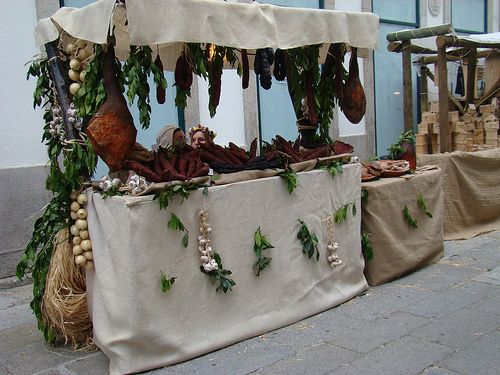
[(399, 249), (138, 327), (471, 191)]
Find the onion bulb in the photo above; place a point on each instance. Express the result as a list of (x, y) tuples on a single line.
[(73, 215), (77, 240), (74, 64), (74, 206), (84, 234), (86, 245), (81, 224), (82, 199), (81, 213), (88, 255), (89, 265), (77, 250), (73, 195), (74, 230), (82, 75), (74, 75), (80, 260), (74, 87), (84, 53)]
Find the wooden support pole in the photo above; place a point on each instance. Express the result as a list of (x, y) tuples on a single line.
[(471, 76), (451, 98), (422, 32), (424, 91), (444, 135), (61, 84), (407, 89)]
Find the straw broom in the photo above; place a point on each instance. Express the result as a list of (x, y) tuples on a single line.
[(64, 305)]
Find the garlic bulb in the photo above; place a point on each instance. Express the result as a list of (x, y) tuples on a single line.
[(80, 260)]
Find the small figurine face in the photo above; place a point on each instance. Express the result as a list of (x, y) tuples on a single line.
[(178, 138), (198, 138)]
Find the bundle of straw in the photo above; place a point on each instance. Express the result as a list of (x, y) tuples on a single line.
[(64, 304)]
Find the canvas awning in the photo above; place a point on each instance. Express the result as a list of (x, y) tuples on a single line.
[(170, 23)]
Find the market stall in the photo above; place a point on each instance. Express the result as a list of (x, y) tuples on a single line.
[(402, 218), (207, 260)]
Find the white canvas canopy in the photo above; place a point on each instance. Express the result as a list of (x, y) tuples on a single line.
[(167, 24)]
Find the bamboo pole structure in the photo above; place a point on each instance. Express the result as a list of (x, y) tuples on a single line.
[(455, 41), (398, 47), (407, 87), (423, 32)]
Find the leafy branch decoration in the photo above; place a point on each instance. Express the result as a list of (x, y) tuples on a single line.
[(219, 276), (166, 282), (309, 241), (423, 206), (366, 246), (166, 197), (290, 178), (176, 224), (341, 214), (334, 168), (410, 220), (261, 244)]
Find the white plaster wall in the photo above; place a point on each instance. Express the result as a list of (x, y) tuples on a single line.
[(345, 127), (20, 125), (228, 122)]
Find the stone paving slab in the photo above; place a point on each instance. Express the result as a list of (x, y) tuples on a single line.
[(480, 358), (407, 355), (491, 277)]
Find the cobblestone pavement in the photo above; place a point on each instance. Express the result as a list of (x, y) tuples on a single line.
[(441, 320)]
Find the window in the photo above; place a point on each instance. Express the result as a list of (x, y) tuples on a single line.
[(469, 16), (401, 12)]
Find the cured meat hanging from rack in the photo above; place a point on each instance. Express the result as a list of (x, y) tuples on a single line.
[(353, 100), (111, 130)]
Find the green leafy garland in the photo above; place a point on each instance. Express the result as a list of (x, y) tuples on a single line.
[(423, 206), (219, 276), (290, 178), (366, 246), (78, 161), (334, 168), (137, 68), (167, 196), (309, 241), (166, 282), (409, 219), (176, 224), (261, 243), (341, 214)]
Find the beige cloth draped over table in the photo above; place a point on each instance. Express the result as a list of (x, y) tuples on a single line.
[(138, 327), (399, 249), (165, 24), (471, 191)]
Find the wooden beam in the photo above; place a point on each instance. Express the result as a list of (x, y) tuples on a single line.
[(424, 91), (471, 76), (398, 47), (423, 32), (455, 41), (407, 89), (444, 135), (453, 55)]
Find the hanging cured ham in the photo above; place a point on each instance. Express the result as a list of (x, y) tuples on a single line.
[(111, 131), (353, 100)]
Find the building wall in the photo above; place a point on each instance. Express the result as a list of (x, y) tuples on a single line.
[(23, 157)]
